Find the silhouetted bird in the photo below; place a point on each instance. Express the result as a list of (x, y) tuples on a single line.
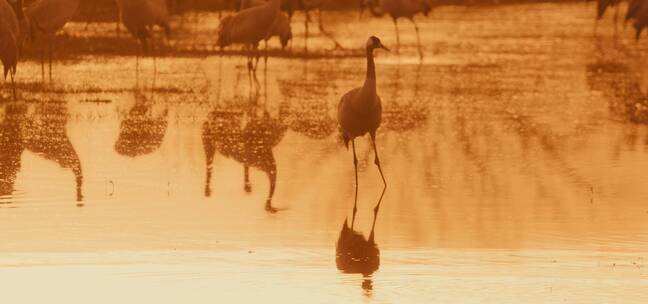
[(139, 16), (401, 8), (248, 27), (359, 113), (45, 18), (281, 27)]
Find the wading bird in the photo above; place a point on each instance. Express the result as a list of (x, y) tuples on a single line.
[(248, 27), (45, 18), (10, 38), (139, 16), (401, 8), (281, 27), (359, 113)]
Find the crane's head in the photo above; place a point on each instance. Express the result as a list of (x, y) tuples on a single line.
[(374, 43)]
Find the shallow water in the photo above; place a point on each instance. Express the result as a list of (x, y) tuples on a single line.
[(515, 155)]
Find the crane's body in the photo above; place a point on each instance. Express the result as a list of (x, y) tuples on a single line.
[(248, 26), (359, 113), (45, 18), (139, 16), (281, 27)]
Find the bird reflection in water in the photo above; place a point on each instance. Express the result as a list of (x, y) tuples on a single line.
[(11, 147), (141, 132), (355, 254), (43, 132), (246, 137)]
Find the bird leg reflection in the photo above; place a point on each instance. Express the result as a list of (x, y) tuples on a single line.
[(418, 39), (377, 162), (246, 179)]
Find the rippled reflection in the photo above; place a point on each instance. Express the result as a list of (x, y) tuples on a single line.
[(244, 135), (142, 131), (356, 254), (41, 129)]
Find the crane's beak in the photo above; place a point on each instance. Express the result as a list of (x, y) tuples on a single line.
[(384, 47)]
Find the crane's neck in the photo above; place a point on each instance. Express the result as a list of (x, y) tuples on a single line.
[(370, 80)]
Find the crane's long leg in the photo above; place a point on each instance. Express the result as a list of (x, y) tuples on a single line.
[(418, 39), (50, 61), (377, 162), (43, 63), (13, 83), (355, 166), (265, 58), (397, 35), (616, 17), (137, 55), (326, 33), (306, 21)]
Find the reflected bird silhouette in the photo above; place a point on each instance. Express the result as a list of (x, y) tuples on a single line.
[(401, 9), (42, 132), (250, 145), (141, 132), (11, 18), (355, 254), (359, 113), (45, 18), (11, 146), (45, 134)]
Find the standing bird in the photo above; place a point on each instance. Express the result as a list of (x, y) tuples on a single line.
[(249, 27), (281, 27), (11, 18), (359, 113), (45, 18), (401, 8), (139, 16)]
